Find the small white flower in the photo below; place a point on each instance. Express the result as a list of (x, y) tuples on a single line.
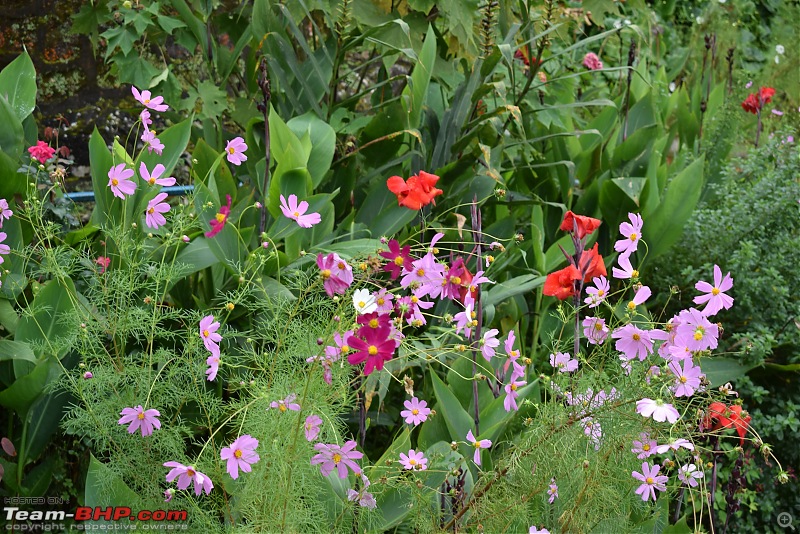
[(722, 1), (780, 49), (672, 87), (699, 19), (627, 22), (364, 301), (617, 24)]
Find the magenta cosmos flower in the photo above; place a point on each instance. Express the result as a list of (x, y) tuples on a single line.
[(715, 297), (149, 101), (5, 212), (337, 275), (399, 259), (631, 232), (657, 409), (592, 62), (375, 348), (156, 208), (633, 341), (552, 491), (332, 456), (651, 481), (41, 151), (140, 419), (416, 411), (187, 474), (414, 460), (234, 151), (312, 427), (240, 455), (4, 249), (478, 445), (208, 333), (219, 220), (119, 180), (297, 212), (155, 178)]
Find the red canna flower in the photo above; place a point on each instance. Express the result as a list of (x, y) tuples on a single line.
[(585, 225), (220, 219), (753, 103), (417, 192), (721, 416), (592, 264), (560, 284)]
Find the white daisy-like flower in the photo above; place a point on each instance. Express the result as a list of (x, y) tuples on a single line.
[(364, 301)]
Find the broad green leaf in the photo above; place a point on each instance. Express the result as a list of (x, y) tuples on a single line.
[(105, 488), (11, 134), (26, 389), (664, 226), (44, 323), (18, 85), (101, 161), (417, 91), (175, 139), (515, 286), (8, 317), (632, 187), (721, 370), (323, 144)]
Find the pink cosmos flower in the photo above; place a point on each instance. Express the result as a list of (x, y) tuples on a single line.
[(234, 151), (511, 389), (411, 308), (140, 419), (534, 530), (627, 270), (657, 409), (383, 301), (364, 498), (187, 474), (640, 297), (633, 342), (644, 447), (340, 347), (414, 460), (5, 212), (375, 348), (337, 275), (651, 481), (632, 233), (240, 455), (399, 259), (102, 261), (312, 427), (296, 212), (87, 375), (715, 297), (152, 142), (552, 491), (41, 151), (416, 411), (286, 404), (593, 430), (478, 444), (489, 342), (119, 180), (155, 178), (144, 116), (689, 475), (332, 456), (595, 330), (213, 367), (219, 220), (695, 331), (687, 379), (592, 62), (208, 333), (146, 99), (563, 362), (675, 445), (426, 274), (168, 493), (466, 319), (598, 292), (154, 216)]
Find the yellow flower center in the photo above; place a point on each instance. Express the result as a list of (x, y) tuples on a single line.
[(412, 461), (231, 150), (206, 333), (636, 337), (151, 210), (715, 291), (415, 411), (650, 480), (399, 261), (373, 323), (598, 326), (151, 181), (340, 265), (456, 280), (140, 416), (361, 303), (220, 217), (326, 274), (600, 292), (634, 236), (190, 472), (238, 453), (381, 301), (698, 334), (420, 272), (337, 458), (372, 350), (114, 181), (646, 447), (345, 349), (282, 407), (631, 305), (296, 214), (513, 387), (414, 299), (146, 101), (683, 379), (476, 444), (635, 273)]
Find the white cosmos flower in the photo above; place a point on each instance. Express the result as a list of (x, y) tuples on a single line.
[(364, 301), (780, 49)]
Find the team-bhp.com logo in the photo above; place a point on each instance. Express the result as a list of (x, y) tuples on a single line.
[(88, 514)]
